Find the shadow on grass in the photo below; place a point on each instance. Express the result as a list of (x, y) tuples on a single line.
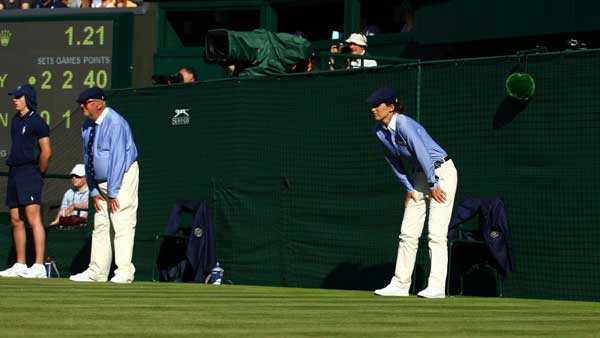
[(350, 276)]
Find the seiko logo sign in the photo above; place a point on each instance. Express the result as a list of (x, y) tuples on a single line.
[(181, 117)]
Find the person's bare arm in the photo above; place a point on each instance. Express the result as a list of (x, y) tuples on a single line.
[(45, 153)]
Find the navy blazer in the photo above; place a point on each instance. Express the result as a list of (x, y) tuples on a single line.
[(493, 225), (200, 250)]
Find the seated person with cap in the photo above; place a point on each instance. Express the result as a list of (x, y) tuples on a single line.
[(356, 45), (74, 206)]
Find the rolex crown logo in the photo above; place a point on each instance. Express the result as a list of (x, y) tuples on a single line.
[(5, 35)]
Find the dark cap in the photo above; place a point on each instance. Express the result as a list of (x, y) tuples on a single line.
[(29, 92), (382, 95), (93, 93)]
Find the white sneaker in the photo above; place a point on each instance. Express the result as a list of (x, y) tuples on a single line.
[(120, 279), (393, 291), (81, 277), (14, 270), (431, 292), (34, 271)]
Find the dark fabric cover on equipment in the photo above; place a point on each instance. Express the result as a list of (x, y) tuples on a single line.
[(493, 228), (200, 250), (259, 52)]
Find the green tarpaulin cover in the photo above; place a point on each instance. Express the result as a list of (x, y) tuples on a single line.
[(259, 52)]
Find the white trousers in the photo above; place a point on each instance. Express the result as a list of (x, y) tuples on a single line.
[(123, 223), (412, 228)]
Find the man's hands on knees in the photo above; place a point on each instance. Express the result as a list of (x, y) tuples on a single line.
[(438, 195), (410, 196), (112, 202), (96, 200)]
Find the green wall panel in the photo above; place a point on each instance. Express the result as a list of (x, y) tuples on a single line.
[(301, 195)]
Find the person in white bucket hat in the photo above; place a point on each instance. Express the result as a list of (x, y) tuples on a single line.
[(356, 44)]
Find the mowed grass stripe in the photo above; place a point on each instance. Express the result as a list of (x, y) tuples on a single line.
[(65, 309)]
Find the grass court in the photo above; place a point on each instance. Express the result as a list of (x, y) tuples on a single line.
[(61, 308)]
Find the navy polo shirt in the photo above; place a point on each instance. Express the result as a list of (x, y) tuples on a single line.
[(25, 132)]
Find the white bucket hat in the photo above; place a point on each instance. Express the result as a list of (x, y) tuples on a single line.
[(357, 39)]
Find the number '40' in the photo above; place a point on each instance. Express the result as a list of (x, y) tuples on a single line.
[(96, 79)]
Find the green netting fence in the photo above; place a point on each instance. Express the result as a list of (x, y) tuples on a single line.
[(302, 197)]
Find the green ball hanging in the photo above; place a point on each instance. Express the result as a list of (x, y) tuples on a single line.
[(520, 86)]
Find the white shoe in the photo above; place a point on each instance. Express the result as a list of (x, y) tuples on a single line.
[(34, 271), (431, 292), (120, 279), (82, 277), (14, 270), (393, 291)]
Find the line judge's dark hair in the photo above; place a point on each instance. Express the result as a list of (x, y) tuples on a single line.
[(398, 105)]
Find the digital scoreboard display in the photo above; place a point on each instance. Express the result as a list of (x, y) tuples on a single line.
[(59, 59)]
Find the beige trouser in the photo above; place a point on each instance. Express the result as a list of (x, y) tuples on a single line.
[(123, 223), (412, 227)]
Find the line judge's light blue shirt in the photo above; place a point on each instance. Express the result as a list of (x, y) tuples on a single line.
[(408, 148), (114, 151)]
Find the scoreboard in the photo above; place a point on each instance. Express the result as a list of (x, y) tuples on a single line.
[(59, 58)]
